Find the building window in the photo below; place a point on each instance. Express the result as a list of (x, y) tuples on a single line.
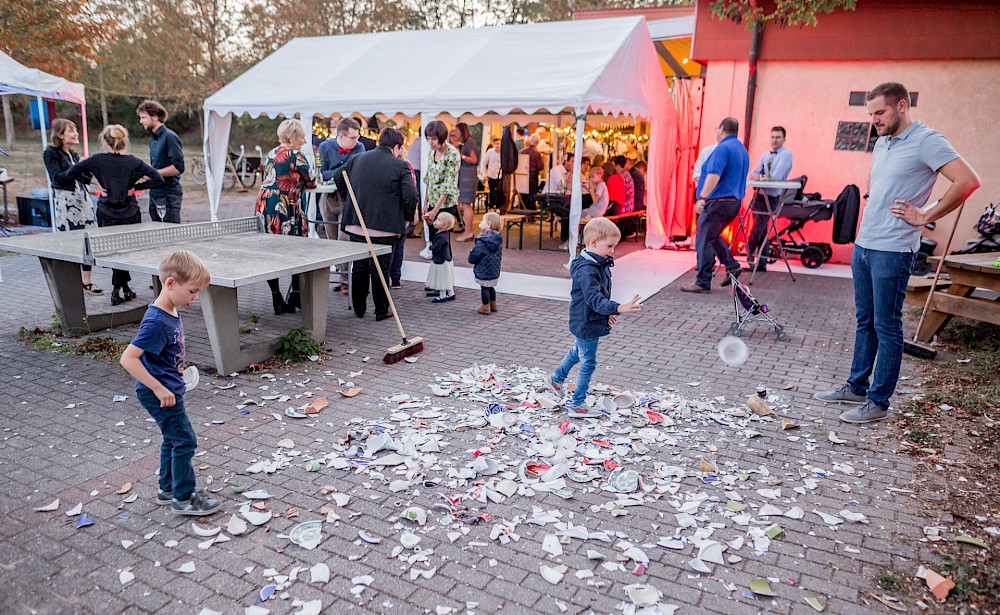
[(857, 99), (855, 137)]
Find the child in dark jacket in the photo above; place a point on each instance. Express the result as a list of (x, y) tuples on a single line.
[(486, 255), (591, 313), (441, 274)]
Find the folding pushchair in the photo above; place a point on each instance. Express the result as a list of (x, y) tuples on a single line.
[(749, 310)]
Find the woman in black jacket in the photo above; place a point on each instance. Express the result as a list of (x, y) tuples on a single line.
[(120, 175), (70, 200), (387, 198)]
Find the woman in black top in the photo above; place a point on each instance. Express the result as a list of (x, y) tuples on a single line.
[(71, 202), (119, 175)]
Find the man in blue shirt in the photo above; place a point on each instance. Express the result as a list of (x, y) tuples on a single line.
[(166, 156), (906, 161), (775, 165), (721, 187), (334, 154)]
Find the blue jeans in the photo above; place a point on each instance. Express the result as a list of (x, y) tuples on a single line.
[(179, 444), (710, 244), (584, 352), (879, 289)]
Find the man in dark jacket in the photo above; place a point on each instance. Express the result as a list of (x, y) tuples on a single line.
[(387, 198), (508, 164)]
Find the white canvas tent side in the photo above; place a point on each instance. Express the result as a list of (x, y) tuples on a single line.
[(602, 67), (16, 78)]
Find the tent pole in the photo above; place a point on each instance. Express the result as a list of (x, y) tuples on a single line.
[(42, 113), (83, 125), (576, 201)]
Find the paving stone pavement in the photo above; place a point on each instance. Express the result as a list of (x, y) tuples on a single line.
[(49, 450)]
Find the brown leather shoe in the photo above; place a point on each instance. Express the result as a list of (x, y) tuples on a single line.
[(493, 306), (484, 309), (695, 289)]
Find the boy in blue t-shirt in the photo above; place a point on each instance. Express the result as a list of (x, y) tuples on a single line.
[(155, 358), (591, 312)]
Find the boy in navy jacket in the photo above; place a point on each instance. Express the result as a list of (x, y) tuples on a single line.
[(591, 312)]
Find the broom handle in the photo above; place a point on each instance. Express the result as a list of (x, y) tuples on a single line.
[(937, 272), (371, 249)]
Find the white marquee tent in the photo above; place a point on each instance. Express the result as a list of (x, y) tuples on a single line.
[(16, 78), (573, 70)]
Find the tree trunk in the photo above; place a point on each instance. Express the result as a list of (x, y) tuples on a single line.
[(758, 30), (8, 122), (104, 97)]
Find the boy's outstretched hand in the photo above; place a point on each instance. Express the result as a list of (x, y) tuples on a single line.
[(631, 306)]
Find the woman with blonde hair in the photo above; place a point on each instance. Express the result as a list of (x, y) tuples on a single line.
[(120, 175), (71, 202), (286, 173)]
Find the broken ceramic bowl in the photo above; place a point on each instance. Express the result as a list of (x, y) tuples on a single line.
[(409, 540), (624, 400), (415, 513), (307, 535), (643, 595), (621, 480)]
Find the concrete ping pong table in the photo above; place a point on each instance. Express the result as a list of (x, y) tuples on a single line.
[(237, 252)]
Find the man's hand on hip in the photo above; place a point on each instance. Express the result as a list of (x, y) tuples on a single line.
[(908, 212)]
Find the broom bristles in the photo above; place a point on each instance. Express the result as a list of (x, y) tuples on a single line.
[(407, 349)]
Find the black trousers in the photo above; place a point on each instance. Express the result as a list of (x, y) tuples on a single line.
[(396, 266), (758, 232), (119, 277), (496, 194), (364, 277)]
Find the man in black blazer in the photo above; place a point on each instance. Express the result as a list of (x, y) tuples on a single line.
[(387, 197)]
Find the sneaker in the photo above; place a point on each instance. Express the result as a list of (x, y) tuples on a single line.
[(395, 283), (196, 506), (167, 497), (868, 412), (843, 395), (426, 253), (583, 412), (552, 385)]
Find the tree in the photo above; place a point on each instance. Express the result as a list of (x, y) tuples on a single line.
[(755, 14), (56, 36)]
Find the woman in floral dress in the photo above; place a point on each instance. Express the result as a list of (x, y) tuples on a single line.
[(286, 173), (441, 177)]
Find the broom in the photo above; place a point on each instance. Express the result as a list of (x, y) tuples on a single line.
[(913, 347), (408, 347)]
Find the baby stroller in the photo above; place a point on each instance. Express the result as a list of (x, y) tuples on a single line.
[(799, 210), (749, 310)]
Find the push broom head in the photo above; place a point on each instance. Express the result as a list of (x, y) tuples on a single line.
[(408, 348)]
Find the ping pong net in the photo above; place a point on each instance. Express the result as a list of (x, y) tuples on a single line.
[(97, 246)]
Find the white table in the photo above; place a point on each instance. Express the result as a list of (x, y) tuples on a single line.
[(760, 186), (307, 196)]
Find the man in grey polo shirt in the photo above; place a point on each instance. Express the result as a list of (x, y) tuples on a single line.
[(906, 161)]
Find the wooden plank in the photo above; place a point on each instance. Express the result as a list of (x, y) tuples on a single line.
[(982, 310), (935, 320), (978, 279)]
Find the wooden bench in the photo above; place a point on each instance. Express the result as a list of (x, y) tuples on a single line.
[(510, 221), (917, 289)]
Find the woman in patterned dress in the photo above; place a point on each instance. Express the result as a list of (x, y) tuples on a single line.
[(286, 173), (73, 208), (441, 176)]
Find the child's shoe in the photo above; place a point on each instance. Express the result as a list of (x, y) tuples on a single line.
[(426, 253), (167, 497), (552, 385), (196, 506), (493, 306), (484, 309), (444, 299)]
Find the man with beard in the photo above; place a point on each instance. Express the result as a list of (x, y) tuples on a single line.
[(166, 156)]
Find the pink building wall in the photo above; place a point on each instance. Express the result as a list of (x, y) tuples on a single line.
[(809, 98)]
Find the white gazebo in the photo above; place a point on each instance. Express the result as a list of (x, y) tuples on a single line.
[(558, 72), (16, 78)]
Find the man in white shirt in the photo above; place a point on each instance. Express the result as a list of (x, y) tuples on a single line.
[(560, 178), (491, 171), (775, 165)]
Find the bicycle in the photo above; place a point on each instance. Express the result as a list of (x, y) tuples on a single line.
[(240, 168)]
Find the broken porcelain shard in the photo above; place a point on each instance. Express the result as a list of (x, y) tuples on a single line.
[(307, 535)]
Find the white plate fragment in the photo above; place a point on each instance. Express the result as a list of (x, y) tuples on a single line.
[(320, 573), (186, 568), (125, 577), (829, 519), (76, 510), (51, 506)]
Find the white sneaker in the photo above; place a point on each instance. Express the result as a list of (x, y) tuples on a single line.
[(426, 253)]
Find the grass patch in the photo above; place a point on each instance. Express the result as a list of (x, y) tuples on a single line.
[(100, 347), (254, 319), (889, 582), (245, 329), (975, 582)]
